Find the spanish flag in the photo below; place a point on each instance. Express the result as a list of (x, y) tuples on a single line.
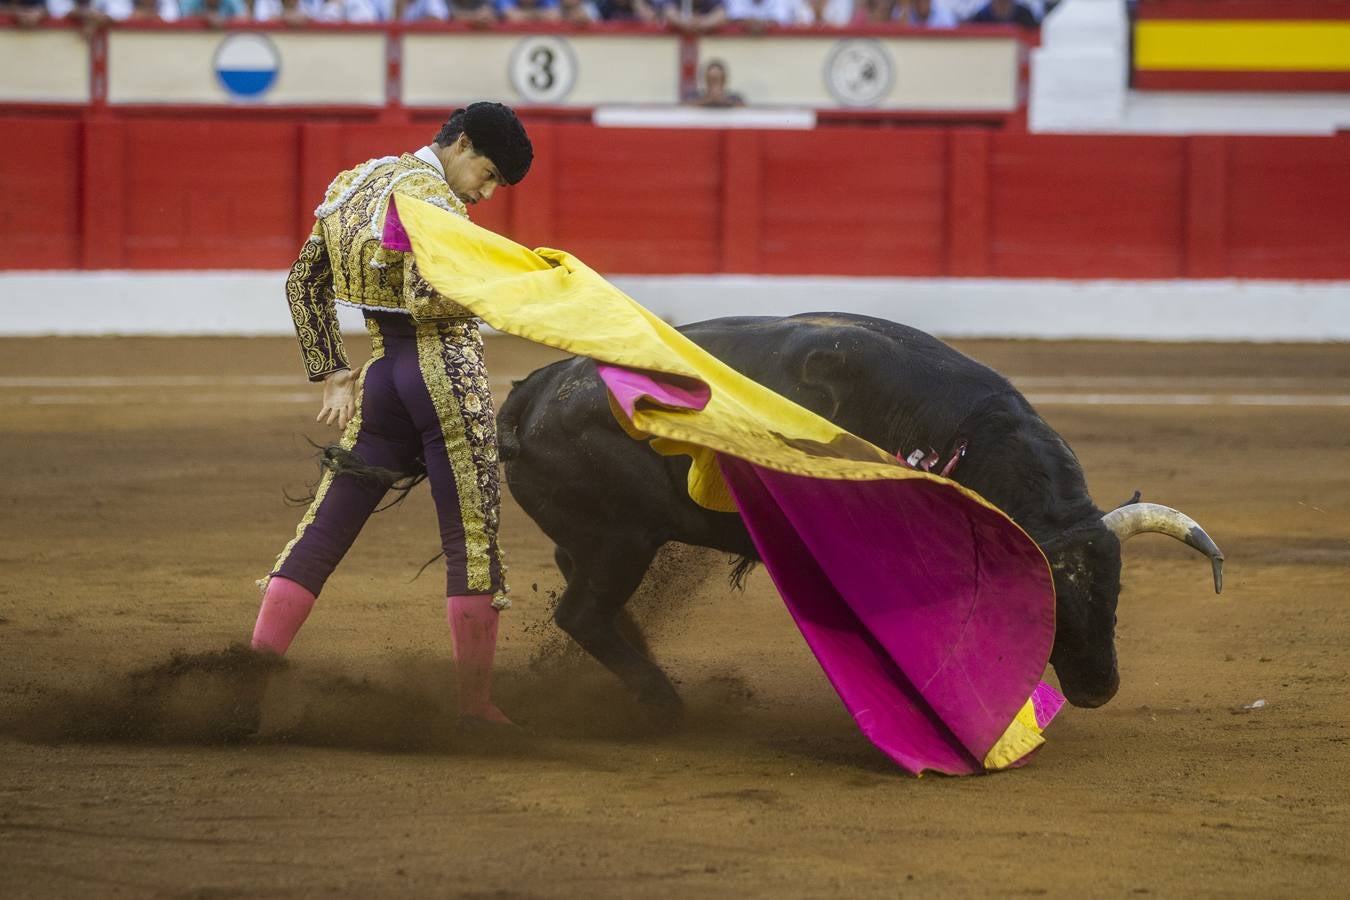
[(1243, 45)]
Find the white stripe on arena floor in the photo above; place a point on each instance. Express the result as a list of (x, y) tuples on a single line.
[(56, 390), (1189, 399)]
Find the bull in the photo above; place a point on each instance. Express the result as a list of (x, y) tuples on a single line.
[(609, 503)]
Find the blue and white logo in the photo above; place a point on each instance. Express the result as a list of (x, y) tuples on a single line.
[(247, 65)]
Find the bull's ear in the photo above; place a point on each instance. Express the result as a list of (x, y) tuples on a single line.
[(1132, 500), (823, 366), (823, 374)]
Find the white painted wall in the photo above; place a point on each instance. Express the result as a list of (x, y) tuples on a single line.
[(929, 73), (443, 69), (178, 67), (251, 303), (39, 66)]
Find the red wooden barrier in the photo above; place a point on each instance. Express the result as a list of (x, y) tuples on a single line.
[(237, 189)]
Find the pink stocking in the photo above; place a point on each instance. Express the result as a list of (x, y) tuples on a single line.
[(473, 626), (285, 607)]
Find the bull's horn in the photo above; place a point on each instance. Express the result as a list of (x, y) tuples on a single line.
[(1139, 518)]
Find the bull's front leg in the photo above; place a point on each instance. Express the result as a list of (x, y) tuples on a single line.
[(601, 577)]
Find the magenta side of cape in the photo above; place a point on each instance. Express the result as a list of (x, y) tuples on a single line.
[(395, 237), (933, 625), (931, 614), (628, 386), (1047, 702)]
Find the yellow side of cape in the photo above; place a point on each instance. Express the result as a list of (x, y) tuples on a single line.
[(551, 297)]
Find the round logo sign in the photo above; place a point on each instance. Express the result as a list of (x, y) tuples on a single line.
[(247, 65), (543, 69), (859, 72)]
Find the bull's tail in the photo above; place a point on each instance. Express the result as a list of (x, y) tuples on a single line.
[(744, 565), (341, 461)]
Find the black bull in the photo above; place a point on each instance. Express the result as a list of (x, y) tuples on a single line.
[(609, 503)]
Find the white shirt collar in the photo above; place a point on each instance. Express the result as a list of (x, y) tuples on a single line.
[(428, 155)]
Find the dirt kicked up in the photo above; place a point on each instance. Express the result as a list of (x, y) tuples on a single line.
[(143, 494)]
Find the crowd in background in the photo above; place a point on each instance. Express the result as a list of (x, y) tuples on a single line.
[(694, 15)]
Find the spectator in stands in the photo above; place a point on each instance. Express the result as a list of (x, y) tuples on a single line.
[(715, 93), (927, 14), (578, 12), (695, 15), (965, 10), (154, 10), (215, 12), (28, 12), (758, 13), (823, 13), (292, 12), (475, 12), (626, 11), (529, 10), (1006, 12), (358, 12), (365, 12), (880, 11), (92, 13)]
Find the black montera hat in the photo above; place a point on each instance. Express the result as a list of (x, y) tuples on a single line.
[(497, 134)]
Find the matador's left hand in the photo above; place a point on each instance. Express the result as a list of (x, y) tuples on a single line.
[(339, 399)]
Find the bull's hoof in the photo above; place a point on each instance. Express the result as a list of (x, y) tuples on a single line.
[(658, 720), (660, 695), (660, 709)]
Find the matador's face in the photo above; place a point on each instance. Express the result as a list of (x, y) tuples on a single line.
[(470, 174)]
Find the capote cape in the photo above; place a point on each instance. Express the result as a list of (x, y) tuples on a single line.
[(930, 611)]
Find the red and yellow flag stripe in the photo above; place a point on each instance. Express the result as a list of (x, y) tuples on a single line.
[(1243, 45)]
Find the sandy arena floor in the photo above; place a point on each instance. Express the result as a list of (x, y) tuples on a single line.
[(143, 495)]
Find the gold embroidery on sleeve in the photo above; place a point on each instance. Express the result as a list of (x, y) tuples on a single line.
[(309, 294)]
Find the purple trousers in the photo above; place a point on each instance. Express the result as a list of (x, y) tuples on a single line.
[(423, 395)]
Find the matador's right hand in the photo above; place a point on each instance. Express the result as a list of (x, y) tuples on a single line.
[(339, 399)]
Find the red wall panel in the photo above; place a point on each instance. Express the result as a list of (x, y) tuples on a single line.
[(237, 190), (1082, 207), (203, 194), (639, 200), (860, 203), (1289, 207), (40, 163)]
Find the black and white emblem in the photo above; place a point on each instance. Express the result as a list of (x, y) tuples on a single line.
[(859, 72), (543, 69)]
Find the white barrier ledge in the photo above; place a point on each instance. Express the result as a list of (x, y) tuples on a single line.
[(251, 303), (695, 117)]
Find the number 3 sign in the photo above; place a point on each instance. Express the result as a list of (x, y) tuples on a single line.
[(543, 69)]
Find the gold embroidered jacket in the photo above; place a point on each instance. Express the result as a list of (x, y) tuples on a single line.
[(343, 260)]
